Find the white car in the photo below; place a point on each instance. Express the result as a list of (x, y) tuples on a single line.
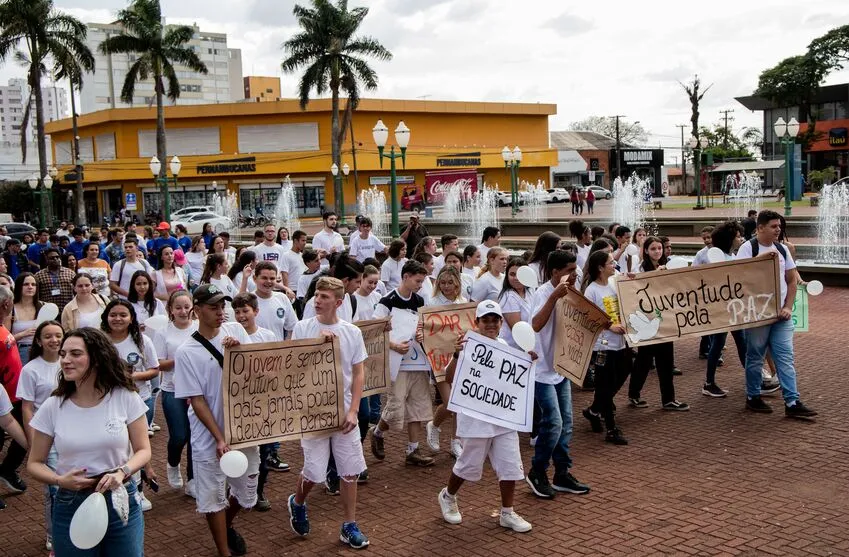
[(186, 211), (504, 198), (543, 196), (558, 195), (600, 192), (195, 221)]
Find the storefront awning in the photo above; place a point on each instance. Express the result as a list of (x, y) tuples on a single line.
[(748, 165), (569, 162)]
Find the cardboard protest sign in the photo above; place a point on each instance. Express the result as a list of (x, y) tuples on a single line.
[(494, 382), (404, 325), (577, 326), (662, 306), (800, 311), (441, 326), (376, 366), (276, 391)]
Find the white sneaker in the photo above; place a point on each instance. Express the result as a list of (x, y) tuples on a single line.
[(149, 432), (154, 426), (48, 545), (175, 478), (448, 504), (456, 448), (766, 375), (433, 436), (145, 504), (533, 442), (514, 522), (190, 489)]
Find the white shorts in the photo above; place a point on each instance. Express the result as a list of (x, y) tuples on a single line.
[(347, 452), (503, 453), (212, 484)]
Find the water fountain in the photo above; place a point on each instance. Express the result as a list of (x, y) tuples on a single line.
[(478, 210), (535, 202), (226, 204), (286, 209), (372, 204), (744, 193), (833, 229), (632, 203)]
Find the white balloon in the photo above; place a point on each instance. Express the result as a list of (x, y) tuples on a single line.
[(814, 288), (524, 336), (47, 312), (90, 521), (676, 263), (715, 255), (156, 323), (632, 250), (234, 464), (527, 276)]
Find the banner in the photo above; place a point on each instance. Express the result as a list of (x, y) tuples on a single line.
[(376, 367), (277, 391), (441, 327), (800, 310), (438, 183), (662, 306), (577, 326), (494, 383)]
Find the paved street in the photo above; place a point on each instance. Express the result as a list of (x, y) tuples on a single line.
[(714, 481)]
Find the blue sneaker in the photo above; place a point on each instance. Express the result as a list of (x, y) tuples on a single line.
[(298, 517), (351, 535)]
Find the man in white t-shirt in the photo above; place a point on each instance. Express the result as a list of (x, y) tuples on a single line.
[(449, 243), (778, 337), (275, 310), (270, 250), (365, 244), (122, 271), (350, 272), (294, 259), (198, 377), (552, 393), (327, 240), (491, 238)]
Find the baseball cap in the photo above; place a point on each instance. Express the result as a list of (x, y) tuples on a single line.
[(486, 307), (209, 294), (163, 226), (179, 257)]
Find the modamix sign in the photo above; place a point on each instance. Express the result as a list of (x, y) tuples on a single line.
[(438, 183)]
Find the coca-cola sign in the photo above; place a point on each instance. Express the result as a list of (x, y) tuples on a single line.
[(437, 184)]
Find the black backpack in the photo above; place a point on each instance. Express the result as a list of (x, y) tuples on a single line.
[(756, 248)]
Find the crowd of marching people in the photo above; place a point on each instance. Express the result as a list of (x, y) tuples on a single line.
[(96, 327)]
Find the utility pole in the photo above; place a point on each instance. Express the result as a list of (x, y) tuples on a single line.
[(683, 156), (618, 147), (725, 137)]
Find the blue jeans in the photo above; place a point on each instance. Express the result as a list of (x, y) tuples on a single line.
[(555, 427), (177, 417), (778, 338), (119, 541), (717, 343)]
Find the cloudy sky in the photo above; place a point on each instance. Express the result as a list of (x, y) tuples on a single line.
[(590, 58)]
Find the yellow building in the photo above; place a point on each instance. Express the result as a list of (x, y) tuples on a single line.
[(262, 89), (250, 148)]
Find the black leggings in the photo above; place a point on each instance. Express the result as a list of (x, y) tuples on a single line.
[(662, 354), (16, 454), (609, 378)]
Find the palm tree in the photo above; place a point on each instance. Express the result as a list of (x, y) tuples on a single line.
[(45, 41), (157, 50), (333, 59)]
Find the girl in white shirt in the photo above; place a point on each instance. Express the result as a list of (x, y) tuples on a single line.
[(283, 238), (515, 301), (96, 423), (367, 296), (546, 243), (426, 291), (169, 277), (214, 272), (471, 261), (390, 270), (455, 259), (489, 282), (141, 296), (195, 260), (243, 270)]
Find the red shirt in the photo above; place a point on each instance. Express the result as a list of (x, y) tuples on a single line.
[(10, 363)]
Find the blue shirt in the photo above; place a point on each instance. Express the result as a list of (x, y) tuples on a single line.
[(78, 248), (35, 250), (158, 244), (185, 243)]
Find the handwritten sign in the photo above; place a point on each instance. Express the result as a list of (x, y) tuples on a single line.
[(376, 366), (661, 306), (579, 322), (800, 311), (277, 391), (441, 327), (404, 325), (494, 382)]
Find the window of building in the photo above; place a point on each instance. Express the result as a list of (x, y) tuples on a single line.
[(269, 90)]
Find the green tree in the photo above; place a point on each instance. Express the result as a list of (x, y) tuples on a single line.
[(158, 48), (45, 41), (724, 145), (832, 49), (333, 58), (629, 134)]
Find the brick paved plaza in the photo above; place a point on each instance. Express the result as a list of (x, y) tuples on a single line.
[(714, 481)]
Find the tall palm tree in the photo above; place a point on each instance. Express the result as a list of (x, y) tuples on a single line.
[(45, 41), (157, 49), (333, 58)]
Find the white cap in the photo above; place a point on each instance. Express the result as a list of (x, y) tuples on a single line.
[(487, 307)]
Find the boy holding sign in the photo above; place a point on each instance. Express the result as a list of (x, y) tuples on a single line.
[(483, 439), (344, 444)]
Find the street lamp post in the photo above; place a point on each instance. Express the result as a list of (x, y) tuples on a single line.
[(345, 171), (380, 133), (786, 133), (41, 193), (337, 186), (512, 160), (697, 146), (155, 168)]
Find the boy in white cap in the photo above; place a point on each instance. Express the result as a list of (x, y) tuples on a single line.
[(482, 439)]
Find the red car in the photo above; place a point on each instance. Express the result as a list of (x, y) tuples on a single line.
[(412, 200)]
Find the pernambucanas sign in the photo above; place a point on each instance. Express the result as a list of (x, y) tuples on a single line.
[(662, 306)]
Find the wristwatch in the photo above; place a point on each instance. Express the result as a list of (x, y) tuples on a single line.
[(126, 470)]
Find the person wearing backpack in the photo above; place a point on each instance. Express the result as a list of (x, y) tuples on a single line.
[(122, 271), (777, 337)]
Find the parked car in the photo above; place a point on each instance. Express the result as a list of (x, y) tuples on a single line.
[(186, 211), (194, 222), (544, 196), (18, 229), (600, 192), (504, 198), (558, 195), (412, 200)]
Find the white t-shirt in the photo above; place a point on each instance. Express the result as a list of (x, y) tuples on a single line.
[(345, 312), (438, 264), (262, 335), (225, 284), (784, 265), (363, 249), (295, 266), (441, 300), (5, 403), (94, 438), (90, 319), (366, 305), (544, 346), (511, 302), (597, 294), (276, 314), (390, 272), (701, 257), (484, 250), (466, 284), (237, 282), (274, 253), (197, 373), (142, 314), (129, 353), (470, 427), (415, 358), (304, 284), (538, 270), (583, 254), (169, 340), (487, 287), (196, 260), (351, 345), (426, 291), (329, 242), (623, 263), (38, 379), (285, 244), (128, 270)]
